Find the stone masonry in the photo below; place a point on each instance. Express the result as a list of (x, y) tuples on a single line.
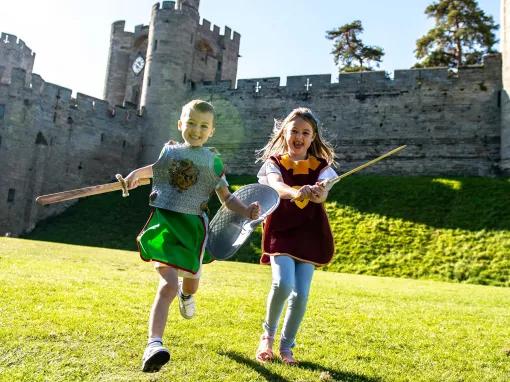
[(455, 124)]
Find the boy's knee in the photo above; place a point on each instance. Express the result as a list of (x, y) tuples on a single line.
[(167, 290)]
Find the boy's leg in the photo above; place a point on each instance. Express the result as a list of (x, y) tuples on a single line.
[(155, 355), (187, 289)]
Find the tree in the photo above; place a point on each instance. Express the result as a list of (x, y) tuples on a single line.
[(350, 52), (462, 35)]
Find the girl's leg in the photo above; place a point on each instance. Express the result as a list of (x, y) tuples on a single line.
[(283, 280), (297, 305), (167, 290), (282, 268)]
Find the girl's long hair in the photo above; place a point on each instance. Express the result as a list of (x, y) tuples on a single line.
[(319, 148)]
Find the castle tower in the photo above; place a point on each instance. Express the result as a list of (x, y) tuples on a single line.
[(15, 54), (505, 93), (169, 62), (118, 64)]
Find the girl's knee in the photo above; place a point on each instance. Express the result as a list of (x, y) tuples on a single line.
[(282, 287)]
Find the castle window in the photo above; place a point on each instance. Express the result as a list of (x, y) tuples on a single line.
[(184, 79), (40, 140), (2, 111), (123, 144), (102, 137), (149, 82), (155, 45), (10, 195)]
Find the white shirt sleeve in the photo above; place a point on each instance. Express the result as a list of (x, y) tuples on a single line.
[(267, 168), (327, 173)]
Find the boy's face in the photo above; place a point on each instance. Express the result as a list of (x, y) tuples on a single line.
[(196, 127)]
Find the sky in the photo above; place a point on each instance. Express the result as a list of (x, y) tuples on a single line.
[(279, 38)]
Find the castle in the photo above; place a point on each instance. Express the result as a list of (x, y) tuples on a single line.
[(454, 124)]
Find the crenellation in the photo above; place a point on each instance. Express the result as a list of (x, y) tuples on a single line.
[(264, 83), (168, 5), (118, 26), (216, 30), (228, 33), (206, 25), (36, 83), (308, 83), (236, 38), (53, 91)]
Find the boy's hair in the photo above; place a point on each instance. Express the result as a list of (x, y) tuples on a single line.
[(197, 105), (319, 148)]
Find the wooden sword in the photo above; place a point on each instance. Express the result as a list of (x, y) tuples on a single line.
[(88, 191)]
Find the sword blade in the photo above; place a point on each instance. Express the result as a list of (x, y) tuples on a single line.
[(82, 192)]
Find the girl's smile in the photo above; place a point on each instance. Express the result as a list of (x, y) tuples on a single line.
[(299, 135)]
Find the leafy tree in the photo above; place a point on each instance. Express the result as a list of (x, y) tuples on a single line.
[(350, 52), (462, 35)]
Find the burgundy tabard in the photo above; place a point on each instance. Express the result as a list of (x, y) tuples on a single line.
[(298, 229)]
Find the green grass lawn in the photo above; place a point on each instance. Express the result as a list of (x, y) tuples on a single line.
[(450, 229), (75, 313)]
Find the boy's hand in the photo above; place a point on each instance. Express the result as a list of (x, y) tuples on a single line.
[(132, 180), (253, 211)]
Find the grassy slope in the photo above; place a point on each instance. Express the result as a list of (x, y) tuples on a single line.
[(421, 227), (79, 313)]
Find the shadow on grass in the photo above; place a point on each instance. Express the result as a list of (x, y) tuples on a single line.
[(472, 204), (332, 375)]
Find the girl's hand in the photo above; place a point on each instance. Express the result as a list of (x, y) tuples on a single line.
[(305, 192), (253, 211), (319, 193)]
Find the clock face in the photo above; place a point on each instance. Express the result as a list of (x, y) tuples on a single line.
[(138, 65)]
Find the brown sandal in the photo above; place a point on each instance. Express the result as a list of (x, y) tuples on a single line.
[(288, 358), (265, 350)]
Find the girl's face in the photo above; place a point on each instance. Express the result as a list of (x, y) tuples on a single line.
[(196, 127), (298, 135)]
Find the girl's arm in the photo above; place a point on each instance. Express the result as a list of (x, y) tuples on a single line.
[(232, 203), (140, 173), (285, 191)]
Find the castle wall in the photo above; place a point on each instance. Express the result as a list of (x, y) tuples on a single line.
[(14, 54), (52, 142), (505, 94), (451, 124)]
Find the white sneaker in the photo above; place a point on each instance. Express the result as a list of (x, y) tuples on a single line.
[(154, 357), (186, 304)]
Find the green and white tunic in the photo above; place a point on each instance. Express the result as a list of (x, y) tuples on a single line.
[(175, 234)]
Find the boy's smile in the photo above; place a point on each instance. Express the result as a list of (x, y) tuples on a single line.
[(196, 127)]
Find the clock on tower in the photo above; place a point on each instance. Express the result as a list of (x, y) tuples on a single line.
[(138, 65)]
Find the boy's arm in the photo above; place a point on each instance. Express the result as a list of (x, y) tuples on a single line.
[(232, 203), (140, 173)]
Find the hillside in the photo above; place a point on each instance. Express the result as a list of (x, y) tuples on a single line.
[(452, 229)]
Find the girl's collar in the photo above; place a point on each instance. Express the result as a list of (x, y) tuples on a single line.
[(300, 167)]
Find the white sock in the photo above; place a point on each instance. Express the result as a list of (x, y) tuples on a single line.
[(154, 339)]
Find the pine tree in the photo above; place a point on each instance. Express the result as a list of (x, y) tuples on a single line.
[(463, 34), (349, 52)]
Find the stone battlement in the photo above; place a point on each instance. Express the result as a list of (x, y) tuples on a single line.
[(377, 80), (10, 41), (204, 28)]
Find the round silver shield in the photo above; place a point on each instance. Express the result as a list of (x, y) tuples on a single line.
[(229, 230)]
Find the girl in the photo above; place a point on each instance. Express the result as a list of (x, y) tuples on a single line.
[(297, 236), (174, 238)]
